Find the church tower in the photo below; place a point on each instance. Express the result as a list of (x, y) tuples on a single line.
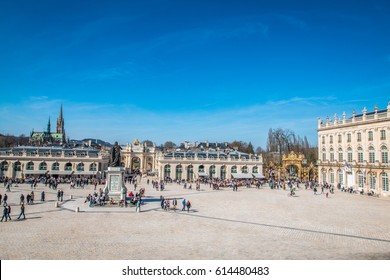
[(61, 125)]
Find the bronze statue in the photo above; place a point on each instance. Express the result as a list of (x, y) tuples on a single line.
[(115, 156)]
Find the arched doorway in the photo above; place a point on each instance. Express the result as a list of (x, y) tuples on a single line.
[(292, 171), (212, 171), (149, 164), (135, 164), (167, 171), (179, 172), (190, 173), (223, 172)]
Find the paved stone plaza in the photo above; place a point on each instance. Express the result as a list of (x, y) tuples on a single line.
[(222, 224)]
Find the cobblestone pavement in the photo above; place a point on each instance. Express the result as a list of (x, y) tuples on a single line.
[(222, 224)]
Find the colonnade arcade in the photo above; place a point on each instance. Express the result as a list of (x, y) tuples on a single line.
[(191, 172)]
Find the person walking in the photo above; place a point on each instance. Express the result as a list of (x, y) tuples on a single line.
[(184, 203), (5, 214), (5, 198), (21, 199), (138, 205), (174, 203), (22, 212), (43, 196), (188, 204), (9, 212)]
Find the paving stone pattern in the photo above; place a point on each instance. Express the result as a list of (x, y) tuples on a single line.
[(222, 224)]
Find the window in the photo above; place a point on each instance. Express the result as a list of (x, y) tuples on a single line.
[(360, 155), (43, 166), (255, 170), (331, 176), (245, 169), (167, 171), (179, 171), (349, 138), (370, 136), (234, 169), (350, 157), (371, 154), (190, 172), (212, 171), (323, 155), (341, 177), (339, 138), (323, 139), (385, 156), (385, 182), (359, 137), (80, 167), (92, 167), (330, 140), (331, 155), (361, 179), (223, 172), (341, 156), (4, 166), (55, 166), (372, 181), (30, 166), (383, 134), (17, 166), (324, 177), (68, 167)]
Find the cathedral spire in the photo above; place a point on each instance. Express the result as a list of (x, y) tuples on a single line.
[(48, 127), (61, 125), (60, 116)]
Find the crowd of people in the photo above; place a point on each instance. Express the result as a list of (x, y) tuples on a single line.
[(99, 198)]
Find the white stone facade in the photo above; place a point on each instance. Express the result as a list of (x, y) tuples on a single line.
[(23, 161), (194, 165), (353, 152), (190, 165)]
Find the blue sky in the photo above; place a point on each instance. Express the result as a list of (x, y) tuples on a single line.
[(190, 70)]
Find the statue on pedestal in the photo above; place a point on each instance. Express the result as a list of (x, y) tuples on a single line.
[(115, 156)]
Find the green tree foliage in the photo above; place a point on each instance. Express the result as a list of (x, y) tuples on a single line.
[(169, 145)]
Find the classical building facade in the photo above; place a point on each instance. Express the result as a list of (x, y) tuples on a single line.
[(194, 161), (25, 161), (139, 156), (353, 152), (191, 165)]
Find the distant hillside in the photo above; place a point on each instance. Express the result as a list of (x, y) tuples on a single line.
[(12, 141), (94, 142)]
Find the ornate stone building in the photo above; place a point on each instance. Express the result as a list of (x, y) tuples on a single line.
[(353, 152), (139, 156), (191, 165), (203, 160), (23, 161)]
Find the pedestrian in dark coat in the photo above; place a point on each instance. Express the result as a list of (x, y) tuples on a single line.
[(5, 214), (22, 212), (9, 212)]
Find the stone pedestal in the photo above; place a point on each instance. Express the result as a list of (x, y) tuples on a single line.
[(115, 184)]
